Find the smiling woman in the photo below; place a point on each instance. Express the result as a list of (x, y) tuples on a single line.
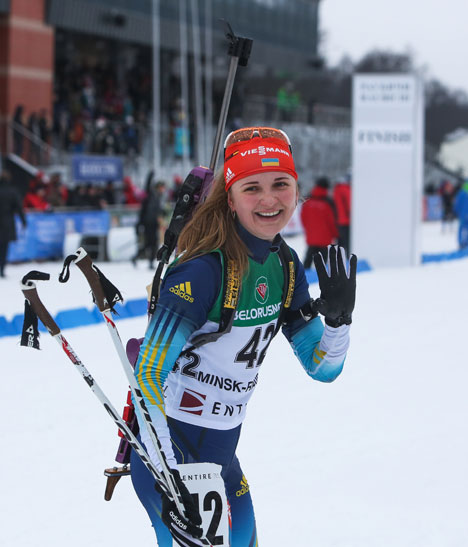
[(253, 157), (264, 202), (265, 194), (233, 286)]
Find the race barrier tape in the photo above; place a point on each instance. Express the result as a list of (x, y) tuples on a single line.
[(77, 317), (81, 317), (442, 257)]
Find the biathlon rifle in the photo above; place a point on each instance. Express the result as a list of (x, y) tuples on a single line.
[(196, 186)]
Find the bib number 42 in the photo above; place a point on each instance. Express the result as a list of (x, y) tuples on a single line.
[(251, 353)]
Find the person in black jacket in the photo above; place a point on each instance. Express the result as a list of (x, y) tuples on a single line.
[(149, 220), (18, 136), (10, 204)]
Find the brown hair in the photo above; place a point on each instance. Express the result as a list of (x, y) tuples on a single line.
[(212, 227)]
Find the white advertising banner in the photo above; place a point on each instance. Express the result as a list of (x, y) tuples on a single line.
[(387, 170)]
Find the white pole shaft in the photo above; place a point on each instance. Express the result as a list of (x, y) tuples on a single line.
[(140, 404), (83, 371)]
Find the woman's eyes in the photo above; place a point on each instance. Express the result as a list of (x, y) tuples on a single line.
[(278, 184)]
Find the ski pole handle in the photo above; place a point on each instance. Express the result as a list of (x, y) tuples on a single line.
[(85, 264), (28, 287)]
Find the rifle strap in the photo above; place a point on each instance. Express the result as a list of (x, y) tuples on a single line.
[(289, 276), (231, 293)]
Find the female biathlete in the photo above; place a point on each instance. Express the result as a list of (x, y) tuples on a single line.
[(197, 396)]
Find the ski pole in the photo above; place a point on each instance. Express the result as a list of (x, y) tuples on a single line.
[(92, 274), (28, 287)]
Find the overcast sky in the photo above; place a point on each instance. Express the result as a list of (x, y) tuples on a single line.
[(435, 31)]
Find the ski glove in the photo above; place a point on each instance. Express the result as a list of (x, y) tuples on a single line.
[(185, 532), (337, 286)]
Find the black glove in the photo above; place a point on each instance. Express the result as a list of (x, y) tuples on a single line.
[(184, 531), (337, 286)]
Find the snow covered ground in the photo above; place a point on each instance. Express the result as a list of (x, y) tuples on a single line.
[(376, 459)]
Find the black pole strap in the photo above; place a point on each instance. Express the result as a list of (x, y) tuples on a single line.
[(111, 292), (35, 275), (64, 275), (30, 329)]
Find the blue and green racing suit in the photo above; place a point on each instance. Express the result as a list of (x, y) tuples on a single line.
[(198, 400)]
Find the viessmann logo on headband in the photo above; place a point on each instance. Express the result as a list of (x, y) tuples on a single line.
[(263, 150)]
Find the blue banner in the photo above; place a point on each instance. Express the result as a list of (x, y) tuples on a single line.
[(44, 235), (96, 168), (432, 207)]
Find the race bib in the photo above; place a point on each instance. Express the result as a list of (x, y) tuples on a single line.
[(206, 485)]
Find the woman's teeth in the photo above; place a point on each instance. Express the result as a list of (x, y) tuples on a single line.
[(273, 214)]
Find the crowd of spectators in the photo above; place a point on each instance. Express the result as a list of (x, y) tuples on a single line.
[(92, 113), (95, 112), (48, 193)]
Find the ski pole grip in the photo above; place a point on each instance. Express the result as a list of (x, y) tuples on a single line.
[(85, 264), (30, 293)]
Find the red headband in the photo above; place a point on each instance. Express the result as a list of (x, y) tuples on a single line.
[(257, 155)]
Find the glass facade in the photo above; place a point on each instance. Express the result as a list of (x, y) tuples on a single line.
[(4, 6), (290, 23)]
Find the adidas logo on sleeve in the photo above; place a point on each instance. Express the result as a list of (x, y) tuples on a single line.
[(184, 290)]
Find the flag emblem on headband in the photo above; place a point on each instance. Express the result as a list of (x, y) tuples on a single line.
[(270, 162)]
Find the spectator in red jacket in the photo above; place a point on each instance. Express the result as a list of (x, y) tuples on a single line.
[(319, 220), (130, 192), (342, 199), (35, 197)]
